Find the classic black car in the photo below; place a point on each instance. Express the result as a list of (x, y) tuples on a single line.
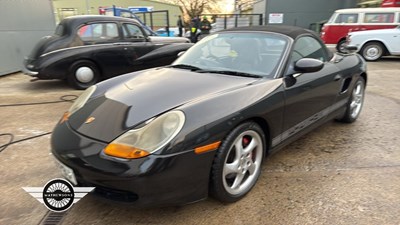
[(87, 49), (174, 134)]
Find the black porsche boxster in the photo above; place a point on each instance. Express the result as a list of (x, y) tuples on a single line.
[(203, 125), (87, 49)]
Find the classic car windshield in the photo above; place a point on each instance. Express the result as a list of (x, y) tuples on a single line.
[(246, 53)]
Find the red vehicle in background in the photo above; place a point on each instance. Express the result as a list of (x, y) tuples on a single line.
[(343, 21), (390, 3)]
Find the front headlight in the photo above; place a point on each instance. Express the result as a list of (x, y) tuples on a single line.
[(150, 138), (79, 103)]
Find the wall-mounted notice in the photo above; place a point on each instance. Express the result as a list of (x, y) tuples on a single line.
[(275, 18)]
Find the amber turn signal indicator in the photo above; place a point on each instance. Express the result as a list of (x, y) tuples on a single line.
[(124, 151), (207, 148), (65, 117)]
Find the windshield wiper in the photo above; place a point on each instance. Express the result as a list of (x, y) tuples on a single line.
[(184, 66), (230, 72)]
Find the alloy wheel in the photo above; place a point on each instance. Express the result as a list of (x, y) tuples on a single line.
[(243, 163)]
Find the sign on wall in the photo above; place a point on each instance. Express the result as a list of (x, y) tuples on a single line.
[(275, 18)]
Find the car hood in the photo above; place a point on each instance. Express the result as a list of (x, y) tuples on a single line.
[(145, 95)]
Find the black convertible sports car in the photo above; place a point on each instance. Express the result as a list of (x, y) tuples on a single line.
[(174, 134), (87, 49)]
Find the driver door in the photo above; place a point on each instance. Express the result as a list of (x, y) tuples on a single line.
[(135, 45), (309, 96)]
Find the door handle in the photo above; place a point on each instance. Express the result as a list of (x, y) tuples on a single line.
[(337, 77)]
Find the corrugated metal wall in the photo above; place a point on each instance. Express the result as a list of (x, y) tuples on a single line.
[(79, 7), (304, 12), (22, 24)]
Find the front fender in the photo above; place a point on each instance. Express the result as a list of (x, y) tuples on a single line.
[(164, 55), (209, 120), (360, 42)]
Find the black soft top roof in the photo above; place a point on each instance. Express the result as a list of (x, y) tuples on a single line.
[(290, 31)]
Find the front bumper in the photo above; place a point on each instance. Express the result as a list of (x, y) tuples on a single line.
[(156, 180), (28, 66), (30, 73)]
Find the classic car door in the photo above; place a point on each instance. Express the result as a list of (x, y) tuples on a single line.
[(135, 44), (101, 39), (309, 96)]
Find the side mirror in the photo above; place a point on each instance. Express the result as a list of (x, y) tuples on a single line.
[(181, 53), (308, 65)]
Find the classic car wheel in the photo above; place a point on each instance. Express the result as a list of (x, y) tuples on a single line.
[(356, 102), (237, 164), (372, 51), (83, 74)]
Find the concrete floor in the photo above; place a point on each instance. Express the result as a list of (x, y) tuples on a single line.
[(338, 174)]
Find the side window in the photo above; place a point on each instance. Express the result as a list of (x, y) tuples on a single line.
[(98, 31), (308, 47), (132, 31), (347, 18), (379, 18), (111, 30)]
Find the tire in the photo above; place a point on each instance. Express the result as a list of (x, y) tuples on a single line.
[(356, 102), (235, 171), (372, 51), (340, 46), (83, 74)]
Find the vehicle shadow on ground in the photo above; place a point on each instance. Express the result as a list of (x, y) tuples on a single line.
[(48, 85), (389, 59)]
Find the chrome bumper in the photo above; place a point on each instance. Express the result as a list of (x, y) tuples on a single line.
[(30, 73)]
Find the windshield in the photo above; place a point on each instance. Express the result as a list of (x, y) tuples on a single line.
[(332, 18), (250, 53)]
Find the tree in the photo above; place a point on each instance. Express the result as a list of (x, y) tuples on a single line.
[(243, 5), (193, 8)]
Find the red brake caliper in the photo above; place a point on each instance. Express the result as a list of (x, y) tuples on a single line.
[(245, 143)]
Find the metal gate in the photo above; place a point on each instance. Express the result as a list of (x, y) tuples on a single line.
[(155, 19), (225, 21)]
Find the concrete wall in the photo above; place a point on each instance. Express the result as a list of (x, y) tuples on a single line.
[(92, 7), (259, 8), (304, 12), (22, 24)]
